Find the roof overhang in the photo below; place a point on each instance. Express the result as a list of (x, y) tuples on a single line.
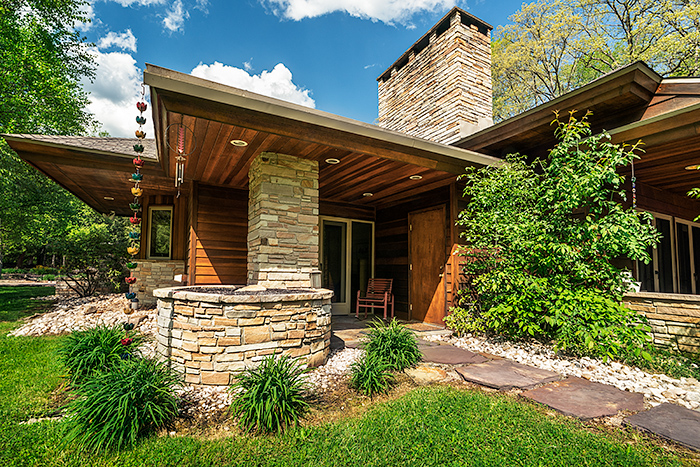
[(372, 159)]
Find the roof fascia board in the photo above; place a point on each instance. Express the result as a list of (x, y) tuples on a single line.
[(674, 119), (187, 85), (550, 105), (28, 140)]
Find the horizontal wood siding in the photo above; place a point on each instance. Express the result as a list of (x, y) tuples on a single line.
[(219, 236), (346, 210), (391, 241)]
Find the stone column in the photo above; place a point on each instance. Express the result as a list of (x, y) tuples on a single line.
[(282, 221)]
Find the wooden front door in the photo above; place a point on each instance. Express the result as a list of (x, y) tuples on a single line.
[(426, 245)]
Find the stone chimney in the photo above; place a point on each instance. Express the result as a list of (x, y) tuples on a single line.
[(440, 89)]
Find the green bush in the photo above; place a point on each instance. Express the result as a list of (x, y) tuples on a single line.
[(97, 349), (14, 271), (271, 397), (393, 343), (548, 234), (371, 375), (41, 270), (114, 408)]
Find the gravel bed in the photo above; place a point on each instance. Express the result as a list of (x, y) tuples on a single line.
[(657, 388)]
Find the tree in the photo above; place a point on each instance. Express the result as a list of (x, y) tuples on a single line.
[(42, 59), (547, 236), (555, 46)]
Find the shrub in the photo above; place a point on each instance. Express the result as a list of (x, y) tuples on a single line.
[(371, 375), (96, 349), (116, 407), (271, 397), (394, 344), (549, 233)]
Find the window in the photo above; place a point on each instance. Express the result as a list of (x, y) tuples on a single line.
[(160, 221)]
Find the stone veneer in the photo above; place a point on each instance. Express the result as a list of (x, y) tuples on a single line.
[(210, 337), (674, 319), (441, 92), (152, 274), (282, 221)]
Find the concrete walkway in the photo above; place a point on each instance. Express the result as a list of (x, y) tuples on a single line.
[(570, 396)]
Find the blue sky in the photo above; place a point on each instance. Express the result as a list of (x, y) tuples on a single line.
[(324, 54)]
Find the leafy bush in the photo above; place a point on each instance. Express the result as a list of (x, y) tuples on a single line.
[(97, 349), (271, 397), (371, 375), (393, 343), (549, 232), (41, 270), (116, 407), (14, 271)]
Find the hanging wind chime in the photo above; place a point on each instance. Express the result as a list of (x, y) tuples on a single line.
[(179, 138), (135, 206)]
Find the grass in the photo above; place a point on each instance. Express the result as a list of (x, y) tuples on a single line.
[(16, 303), (433, 426)]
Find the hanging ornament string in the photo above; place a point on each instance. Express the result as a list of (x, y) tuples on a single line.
[(135, 232), (634, 188)]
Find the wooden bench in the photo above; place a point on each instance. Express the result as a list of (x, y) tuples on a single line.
[(378, 295)]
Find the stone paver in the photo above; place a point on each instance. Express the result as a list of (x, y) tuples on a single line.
[(425, 374), (505, 375), (584, 399), (449, 355), (670, 421)]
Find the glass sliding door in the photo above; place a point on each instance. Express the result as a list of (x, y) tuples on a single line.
[(347, 259)]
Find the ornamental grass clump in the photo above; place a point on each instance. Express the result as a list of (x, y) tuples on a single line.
[(97, 349), (116, 407), (271, 397), (394, 344), (371, 375)]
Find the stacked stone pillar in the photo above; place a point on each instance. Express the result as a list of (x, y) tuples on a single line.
[(283, 242)]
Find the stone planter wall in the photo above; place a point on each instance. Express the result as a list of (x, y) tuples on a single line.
[(674, 319), (210, 337), (152, 274)]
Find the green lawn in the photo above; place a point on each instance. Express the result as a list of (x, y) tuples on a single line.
[(434, 426)]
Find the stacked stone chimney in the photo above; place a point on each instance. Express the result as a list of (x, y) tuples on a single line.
[(440, 89)]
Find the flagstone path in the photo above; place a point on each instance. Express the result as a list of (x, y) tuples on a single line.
[(573, 396)]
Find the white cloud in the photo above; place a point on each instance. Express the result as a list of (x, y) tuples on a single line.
[(88, 12), (124, 41), (114, 93), (139, 2), (248, 66), (387, 11), (203, 6), (175, 17), (276, 83)]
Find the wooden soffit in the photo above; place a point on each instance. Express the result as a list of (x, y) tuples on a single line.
[(372, 160)]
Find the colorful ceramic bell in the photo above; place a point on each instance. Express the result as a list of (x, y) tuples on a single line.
[(141, 120), (136, 191), (126, 341), (142, 106), (137, 177), (128, 310), (135, 207), (133, 250), (138, 147), (130, 280), (130, 295), (140, 134), (135, 220), (134, 235), (138, 162), (128, 326), (131, 265)]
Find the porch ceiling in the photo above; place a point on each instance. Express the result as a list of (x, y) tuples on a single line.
[(372, 160)]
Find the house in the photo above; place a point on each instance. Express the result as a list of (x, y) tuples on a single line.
[(273, 191)]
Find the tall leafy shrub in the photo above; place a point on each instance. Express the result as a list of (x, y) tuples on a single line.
[(548, 234), (393, 344)]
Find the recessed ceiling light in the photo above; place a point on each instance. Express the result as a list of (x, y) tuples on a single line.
[(239, 143), (367, 194), (332, 161), (416, 177), (693, 167), (109, 198)]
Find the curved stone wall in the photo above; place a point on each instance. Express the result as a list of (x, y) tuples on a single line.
[(211, 336)]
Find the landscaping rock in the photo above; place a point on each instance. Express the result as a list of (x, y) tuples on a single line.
[(504, 375), (426, 374), (450, 355), (583, 399)]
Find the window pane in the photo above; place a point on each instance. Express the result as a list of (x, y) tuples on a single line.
[(683, 249), (361, 268), (665, 255), (160, 233)]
